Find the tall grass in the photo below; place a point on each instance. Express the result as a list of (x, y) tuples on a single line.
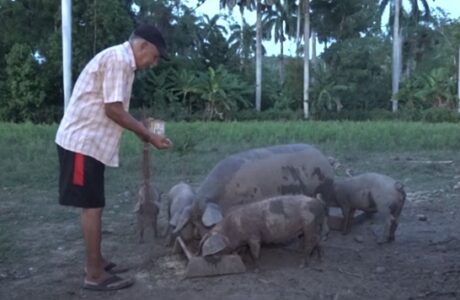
[(28, 153)]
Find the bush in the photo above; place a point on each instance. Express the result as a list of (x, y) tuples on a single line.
[(440, 114)]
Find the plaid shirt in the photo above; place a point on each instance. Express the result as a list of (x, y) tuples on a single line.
[(85, 128)]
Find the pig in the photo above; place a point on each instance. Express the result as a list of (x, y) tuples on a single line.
[(148, 200), (181, 197), (274, 220), (147, 209), (257, 174), (371, 193)]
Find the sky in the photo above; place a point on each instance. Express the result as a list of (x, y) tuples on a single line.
[(211, 7)]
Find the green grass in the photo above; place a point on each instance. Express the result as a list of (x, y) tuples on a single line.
[(28, 153)]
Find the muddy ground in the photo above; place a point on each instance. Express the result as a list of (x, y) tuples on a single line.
[(44, 258)]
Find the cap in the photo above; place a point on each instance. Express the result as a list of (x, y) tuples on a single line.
[(151, 34)]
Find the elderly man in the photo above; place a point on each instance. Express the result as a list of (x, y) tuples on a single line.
[(89, 135)]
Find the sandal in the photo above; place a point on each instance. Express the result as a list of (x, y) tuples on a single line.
[(113, 268), (110, 284)]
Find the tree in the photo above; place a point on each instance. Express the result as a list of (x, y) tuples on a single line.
[(396, 61), (280, 21), (306, 57), (414, 19), (222, 92), (212, 46), (25, 86), (259, 8), (243, 48)]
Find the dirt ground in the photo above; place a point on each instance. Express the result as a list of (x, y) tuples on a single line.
[(45, 259)]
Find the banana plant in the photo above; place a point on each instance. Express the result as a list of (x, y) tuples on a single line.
[(222, 92)]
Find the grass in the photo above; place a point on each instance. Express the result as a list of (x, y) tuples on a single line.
[(28, 153)]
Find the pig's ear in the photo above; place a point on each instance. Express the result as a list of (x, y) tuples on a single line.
[(183, 219), (211, 215), (137, 207), (183, 214), (215, 243), (174, 220)]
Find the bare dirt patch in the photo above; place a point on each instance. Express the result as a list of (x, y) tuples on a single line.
[(41, 249)]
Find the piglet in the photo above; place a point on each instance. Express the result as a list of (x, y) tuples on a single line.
[(273, 220), (371, 193), (147, 206), (146, 210), (181, 197)]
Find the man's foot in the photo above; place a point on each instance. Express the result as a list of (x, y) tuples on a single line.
[(113, 268), (111, 283)]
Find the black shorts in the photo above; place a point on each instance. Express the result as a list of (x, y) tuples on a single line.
[(81, 180)]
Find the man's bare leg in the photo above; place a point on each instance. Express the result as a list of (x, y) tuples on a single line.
[(91, 224)]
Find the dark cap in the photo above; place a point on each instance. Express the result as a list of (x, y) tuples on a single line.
[(151, 34)]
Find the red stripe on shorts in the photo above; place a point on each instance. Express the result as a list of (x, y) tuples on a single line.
[(78, 169)]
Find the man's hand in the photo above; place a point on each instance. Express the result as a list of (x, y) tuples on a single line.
[(116, 113), (159, 142)]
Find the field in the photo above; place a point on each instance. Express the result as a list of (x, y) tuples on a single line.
[(41, 248)]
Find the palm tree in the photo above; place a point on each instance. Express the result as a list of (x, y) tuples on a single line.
[(243, 48), (259, 6), (306, 57), (280, 22), (414, 18), (397, 59), (230, 4)]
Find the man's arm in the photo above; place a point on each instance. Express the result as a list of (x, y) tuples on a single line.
[(117, 114)]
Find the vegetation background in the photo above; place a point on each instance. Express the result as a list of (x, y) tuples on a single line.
[(213, 73)]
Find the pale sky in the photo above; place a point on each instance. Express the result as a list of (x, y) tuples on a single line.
[(211, 7)]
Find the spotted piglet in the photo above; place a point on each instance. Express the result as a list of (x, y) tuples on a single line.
[(273, 220)]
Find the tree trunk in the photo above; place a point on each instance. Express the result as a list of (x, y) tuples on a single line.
[(458, 80), (259, 56), (313, 45), (95, 27), (297, 37), (306, 57), (66, 11), (242, 39), (281, 60), (397, 53)]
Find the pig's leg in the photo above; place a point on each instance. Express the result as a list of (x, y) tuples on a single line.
[(325, 228), (310, 239), (386, 237), (141, 234), (348, 214), (395, 212), (254, 248), (393, 227), (155, 229)]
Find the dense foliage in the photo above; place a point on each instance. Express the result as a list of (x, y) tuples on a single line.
[(212, 74)]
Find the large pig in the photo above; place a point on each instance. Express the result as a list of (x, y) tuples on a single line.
[(274, 220), (370, 192), (257, 174)]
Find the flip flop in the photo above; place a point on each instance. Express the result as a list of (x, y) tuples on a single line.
[(113, 268), (110, 284)]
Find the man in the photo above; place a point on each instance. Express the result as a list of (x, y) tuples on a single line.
[(89, 135)]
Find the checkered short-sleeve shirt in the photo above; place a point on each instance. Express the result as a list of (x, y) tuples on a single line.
[(85, 128)]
